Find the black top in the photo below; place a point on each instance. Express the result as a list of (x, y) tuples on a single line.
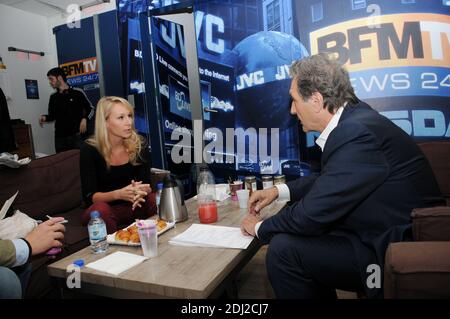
[(96, 177), (67, 108)]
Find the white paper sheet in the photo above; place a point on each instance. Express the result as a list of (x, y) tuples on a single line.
[(7, 205), (117, 263), (201, 235)]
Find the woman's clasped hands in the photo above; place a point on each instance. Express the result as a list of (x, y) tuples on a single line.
[(134, 193)]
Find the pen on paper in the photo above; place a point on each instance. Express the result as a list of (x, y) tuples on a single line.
[(61, 222)]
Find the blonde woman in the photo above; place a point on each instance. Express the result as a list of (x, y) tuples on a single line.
[(115, 169)]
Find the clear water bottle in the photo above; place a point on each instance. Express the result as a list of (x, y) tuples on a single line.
[(159, 188), (206, 184), (97, 233)]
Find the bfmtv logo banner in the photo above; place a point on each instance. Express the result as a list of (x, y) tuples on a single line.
[(398, 40), (82, 71), (404, 55), (399, 63)]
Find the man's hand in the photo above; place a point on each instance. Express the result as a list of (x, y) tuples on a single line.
[(261, 199), (42, 120), (248, 225), (83, 126), (46, 235)]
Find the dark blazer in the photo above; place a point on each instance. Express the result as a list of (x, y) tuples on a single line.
[(373, 175)]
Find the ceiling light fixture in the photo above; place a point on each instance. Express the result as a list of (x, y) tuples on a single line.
[(94, 3), (25, 51)]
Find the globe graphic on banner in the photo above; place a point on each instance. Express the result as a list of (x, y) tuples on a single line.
[(262, 67)]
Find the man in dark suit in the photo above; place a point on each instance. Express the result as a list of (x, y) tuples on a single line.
[(335, 231)]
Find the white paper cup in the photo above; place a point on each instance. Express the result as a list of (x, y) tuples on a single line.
[(243, 195), (149, 240)]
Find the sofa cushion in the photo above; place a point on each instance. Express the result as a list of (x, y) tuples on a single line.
[(75, 231), (431, 224), (417, 270), (75, 234), (50, 185), (47, 185), (73, 216), (75, 238), (438, 154), (39, 285)]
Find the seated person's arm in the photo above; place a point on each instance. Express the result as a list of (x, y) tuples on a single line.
[(301, 186), (17, 252), (89, 182), (105, 197), (50, 117), (353, 172), (129, 193), (8, 253), (143, 174), (45, 236)]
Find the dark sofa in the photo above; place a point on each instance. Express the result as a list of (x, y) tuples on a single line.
[(421, 269), (48, 186)]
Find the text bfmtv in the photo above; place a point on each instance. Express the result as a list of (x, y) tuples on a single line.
[(82, 71), (396, 40), (80, 68)]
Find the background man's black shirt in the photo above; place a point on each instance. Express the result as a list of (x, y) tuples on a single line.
[(67, 109)]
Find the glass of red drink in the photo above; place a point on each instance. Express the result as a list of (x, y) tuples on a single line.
[(207, 209)]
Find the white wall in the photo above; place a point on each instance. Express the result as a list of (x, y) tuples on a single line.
[(25, 30), (60, 19)]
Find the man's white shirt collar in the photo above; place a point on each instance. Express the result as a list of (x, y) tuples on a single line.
[(322, 139)]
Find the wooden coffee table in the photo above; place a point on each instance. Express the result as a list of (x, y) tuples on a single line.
[(177, 272)]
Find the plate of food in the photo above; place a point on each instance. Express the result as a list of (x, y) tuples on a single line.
[(129, 236)]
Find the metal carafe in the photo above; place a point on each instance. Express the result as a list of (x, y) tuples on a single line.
[(172, 207)]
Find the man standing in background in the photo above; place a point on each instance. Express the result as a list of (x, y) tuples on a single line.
[(70, 108)]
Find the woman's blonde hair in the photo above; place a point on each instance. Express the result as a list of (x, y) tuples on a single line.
[(100, 138)]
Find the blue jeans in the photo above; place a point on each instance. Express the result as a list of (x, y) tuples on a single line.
[(14, 281), (10, 286)]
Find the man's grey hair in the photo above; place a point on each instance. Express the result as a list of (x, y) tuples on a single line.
[(320, 73)]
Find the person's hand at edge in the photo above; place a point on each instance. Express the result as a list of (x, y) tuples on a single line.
[(261, 199), (45, 236), (248, 225), (42, 120), (83, 126)]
